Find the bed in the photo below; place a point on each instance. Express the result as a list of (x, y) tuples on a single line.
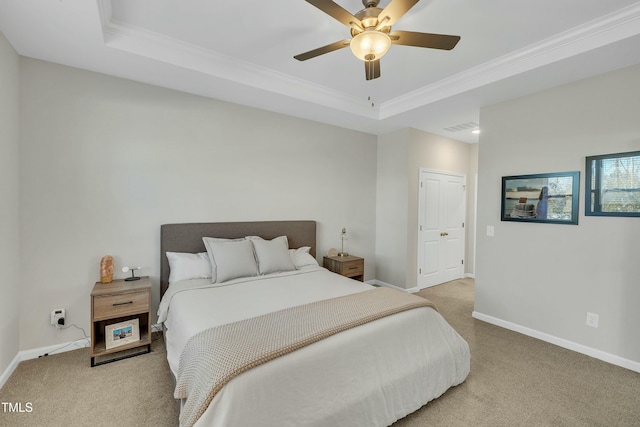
[(368, 375)]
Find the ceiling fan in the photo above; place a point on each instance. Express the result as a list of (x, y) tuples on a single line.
[(371, 32)]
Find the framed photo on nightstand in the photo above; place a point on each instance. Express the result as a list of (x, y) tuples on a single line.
[(122, 333)]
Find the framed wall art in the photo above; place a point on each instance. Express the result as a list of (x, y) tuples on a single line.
[(546, 198)]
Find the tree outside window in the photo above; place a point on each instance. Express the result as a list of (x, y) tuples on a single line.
[(613, 185)]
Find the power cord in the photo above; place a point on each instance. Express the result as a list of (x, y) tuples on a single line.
[(86, 337)]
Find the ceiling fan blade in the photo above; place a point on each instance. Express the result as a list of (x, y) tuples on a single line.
[(372, 69), (322, 50), (433, 41), (336, 11), (396, 9)]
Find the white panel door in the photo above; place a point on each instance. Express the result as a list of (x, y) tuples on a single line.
[(440, 228)]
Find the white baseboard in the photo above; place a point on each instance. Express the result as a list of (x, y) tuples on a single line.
[(415, 289), (7, 372), (389, 285), (470, 276), (34, 353), (561, 342)]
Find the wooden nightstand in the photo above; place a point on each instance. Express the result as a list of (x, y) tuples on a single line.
[(349, 266), (117, 302)]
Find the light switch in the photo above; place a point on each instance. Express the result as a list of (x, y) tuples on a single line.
[(490, 230)]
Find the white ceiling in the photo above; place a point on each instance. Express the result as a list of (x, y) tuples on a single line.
[(242, 51)]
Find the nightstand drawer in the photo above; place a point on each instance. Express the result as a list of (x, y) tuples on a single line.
[(117, 305), (347, 265), (352, 268)]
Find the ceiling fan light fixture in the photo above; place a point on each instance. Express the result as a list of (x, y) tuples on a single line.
[(370, 45)]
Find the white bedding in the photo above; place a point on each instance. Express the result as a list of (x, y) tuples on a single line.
[(367, 376)]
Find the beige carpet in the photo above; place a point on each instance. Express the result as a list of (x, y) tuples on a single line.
[(515, 381), (65, 391)]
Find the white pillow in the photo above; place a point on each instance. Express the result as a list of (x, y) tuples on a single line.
[(301, 257), (233, 259), (272, 255), (207, 241), (185, 266)]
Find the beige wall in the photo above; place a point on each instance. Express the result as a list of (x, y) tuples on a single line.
[(437, 153), (401, 155), (105, 161), (9, 212), (391, 208), (472, 188), (546, 277)]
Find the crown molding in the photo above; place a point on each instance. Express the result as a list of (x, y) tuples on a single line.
[(611, 28), (152, 45), (608, 29)]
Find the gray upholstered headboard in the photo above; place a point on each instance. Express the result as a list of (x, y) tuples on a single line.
[(188, 237)]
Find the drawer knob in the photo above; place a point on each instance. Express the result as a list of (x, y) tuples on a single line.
[(122, 303), (353, 268)]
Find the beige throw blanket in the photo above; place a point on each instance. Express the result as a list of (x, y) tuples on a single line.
[(214, 356)]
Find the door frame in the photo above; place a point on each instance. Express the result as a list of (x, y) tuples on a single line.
[(464, 220)]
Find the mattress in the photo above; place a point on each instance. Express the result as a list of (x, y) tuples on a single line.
[(371, 375)]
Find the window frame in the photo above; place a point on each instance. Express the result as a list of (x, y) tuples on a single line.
[(595, 193)]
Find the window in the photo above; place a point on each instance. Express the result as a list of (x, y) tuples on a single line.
[(613, 185)]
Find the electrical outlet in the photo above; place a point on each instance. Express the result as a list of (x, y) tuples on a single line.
[(592, 320), (58, 317)]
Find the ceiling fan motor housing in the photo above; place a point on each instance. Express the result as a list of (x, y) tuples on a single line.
[(369, 19)]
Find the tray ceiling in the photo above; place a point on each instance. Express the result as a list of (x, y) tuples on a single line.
[(243, 52)]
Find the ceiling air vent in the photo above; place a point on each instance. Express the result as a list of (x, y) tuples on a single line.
[(462, 126)]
